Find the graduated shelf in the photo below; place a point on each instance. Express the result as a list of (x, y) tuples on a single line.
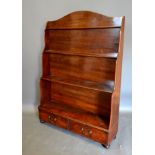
[(104, 86), (86, 54), (77, 115)]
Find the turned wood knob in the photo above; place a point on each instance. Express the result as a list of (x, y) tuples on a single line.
[(82, 129), (90, 132), (52, 118)]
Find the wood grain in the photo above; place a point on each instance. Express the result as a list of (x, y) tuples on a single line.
[(81, 78), (71, 66), (83, 20), (85, 41)]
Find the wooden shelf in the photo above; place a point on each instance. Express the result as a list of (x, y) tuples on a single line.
[(112, 55), (74, 114), (105, 86)]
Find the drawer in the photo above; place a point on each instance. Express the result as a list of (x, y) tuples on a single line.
[(76, 127), (58, 121), (89, 132), (54, 119)]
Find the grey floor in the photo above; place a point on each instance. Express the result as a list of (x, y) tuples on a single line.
[(43, 139)]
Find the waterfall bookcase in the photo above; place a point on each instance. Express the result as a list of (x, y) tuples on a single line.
[(81, 78)]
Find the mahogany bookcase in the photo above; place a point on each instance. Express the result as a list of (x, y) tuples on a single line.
[(81, 78)]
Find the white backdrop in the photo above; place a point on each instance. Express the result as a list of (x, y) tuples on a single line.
[(35, 15)]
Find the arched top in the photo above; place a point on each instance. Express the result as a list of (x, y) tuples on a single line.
[(84, 19)]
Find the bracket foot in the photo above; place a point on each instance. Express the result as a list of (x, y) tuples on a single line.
[(41, 121), (106, 146)]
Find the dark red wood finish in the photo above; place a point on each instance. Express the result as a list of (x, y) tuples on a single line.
[(80, 84)]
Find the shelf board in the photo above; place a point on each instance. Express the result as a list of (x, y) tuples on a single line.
[(104, 86), (86, 54), (74, 114)]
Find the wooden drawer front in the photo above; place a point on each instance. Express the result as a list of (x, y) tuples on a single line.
[(89, 132), (54, 119), (84, 130), (58, 121)]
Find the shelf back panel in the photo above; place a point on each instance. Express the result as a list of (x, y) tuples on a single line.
[(89, 41), (85, 68), (81, 98)]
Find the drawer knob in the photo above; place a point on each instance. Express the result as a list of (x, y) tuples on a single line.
[(82, 129), (89, 132), (52, 118)]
